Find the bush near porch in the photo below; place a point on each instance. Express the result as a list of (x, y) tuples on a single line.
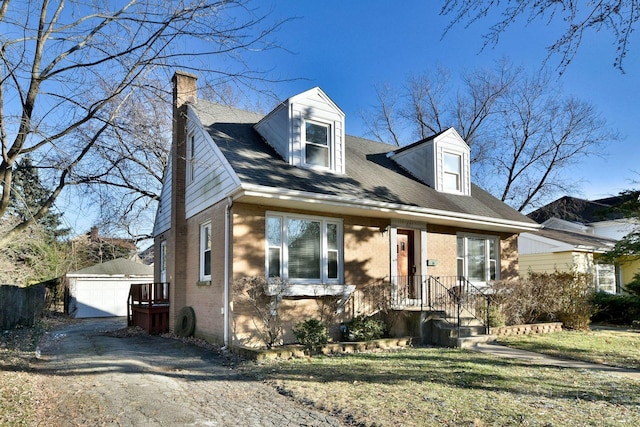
[(545, 297)]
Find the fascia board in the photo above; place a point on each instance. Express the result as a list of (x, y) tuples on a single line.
[(425, 214)]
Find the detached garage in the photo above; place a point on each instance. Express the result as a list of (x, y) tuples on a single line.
[(103, 289)]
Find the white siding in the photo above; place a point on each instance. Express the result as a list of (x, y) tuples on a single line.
[(283, 128), (163, 214), (612, 229), (275, 130), (213, 177), (425, 160), (418, 161)]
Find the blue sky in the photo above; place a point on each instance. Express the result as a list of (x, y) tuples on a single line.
[(346, 47)]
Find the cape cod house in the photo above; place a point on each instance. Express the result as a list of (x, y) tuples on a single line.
[(290, 198)]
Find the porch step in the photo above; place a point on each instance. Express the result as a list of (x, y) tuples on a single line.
[(470, 342), (441, 332)]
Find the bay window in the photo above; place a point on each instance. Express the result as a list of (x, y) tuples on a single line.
[(302, 249), (478, 258)]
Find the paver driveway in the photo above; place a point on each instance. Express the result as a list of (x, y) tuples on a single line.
[(102, 379)]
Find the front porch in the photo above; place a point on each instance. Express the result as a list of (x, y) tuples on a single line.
[(440, 310)]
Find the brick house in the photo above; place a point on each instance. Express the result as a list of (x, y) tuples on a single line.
[(289, 196)]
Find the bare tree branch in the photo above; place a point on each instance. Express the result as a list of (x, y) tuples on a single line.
[(73, 75), (618, 17)]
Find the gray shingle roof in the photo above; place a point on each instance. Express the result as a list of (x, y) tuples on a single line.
[(370, 174), (118, 266)]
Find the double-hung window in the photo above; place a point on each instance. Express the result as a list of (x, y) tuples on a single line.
[(303, 249), (205, 251), (317, 138), (452, 172), (478, 258)]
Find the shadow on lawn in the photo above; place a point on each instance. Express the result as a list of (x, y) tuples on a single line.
[(420, 368)]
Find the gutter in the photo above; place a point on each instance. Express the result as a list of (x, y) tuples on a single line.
[(227, 248), (258, 191)]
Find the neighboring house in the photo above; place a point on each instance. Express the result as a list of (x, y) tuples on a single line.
[(290, 196), (550, 250), (576, 232), (92, 248), (102, 290)]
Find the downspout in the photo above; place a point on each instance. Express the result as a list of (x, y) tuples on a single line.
[(227, 249)]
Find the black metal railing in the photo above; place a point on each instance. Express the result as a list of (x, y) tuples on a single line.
[(454, 296)]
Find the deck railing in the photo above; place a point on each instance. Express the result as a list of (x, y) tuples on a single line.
[(148, 307)]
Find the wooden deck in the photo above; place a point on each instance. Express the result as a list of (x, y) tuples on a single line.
[(148, 307)]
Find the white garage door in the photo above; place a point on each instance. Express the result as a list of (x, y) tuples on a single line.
[(101, 298)]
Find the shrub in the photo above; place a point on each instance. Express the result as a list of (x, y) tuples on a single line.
[(616, 309), (633, 287), (563, 296), (266, 306), (363, 328), (312, 334)]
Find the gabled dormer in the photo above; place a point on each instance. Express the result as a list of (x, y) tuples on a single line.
[(307, 130), (442, 161)]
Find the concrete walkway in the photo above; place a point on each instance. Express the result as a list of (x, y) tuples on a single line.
[(541, 359)]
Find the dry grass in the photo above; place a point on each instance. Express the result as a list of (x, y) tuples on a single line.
[(614, 347), (434, 387), (18, 388)]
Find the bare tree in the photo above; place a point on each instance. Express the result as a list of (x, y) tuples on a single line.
[(72, 73), (617, 17), (522, 131)]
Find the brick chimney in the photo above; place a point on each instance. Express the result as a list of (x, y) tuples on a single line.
[(184, 92), (184, 88)]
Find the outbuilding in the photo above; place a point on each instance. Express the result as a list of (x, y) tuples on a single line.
[(102, 290)]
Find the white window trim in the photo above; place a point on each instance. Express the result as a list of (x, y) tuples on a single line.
[(330, 144), (309, 285), (191, 147), (163, 261), (498, 258), (459, 174), (204, 226)]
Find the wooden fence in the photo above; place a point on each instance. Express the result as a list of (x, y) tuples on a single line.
[(21, 306)]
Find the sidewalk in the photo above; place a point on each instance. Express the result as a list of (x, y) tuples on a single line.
[(541, 359)]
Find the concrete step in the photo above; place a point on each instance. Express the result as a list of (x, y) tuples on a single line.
[(470, 342)]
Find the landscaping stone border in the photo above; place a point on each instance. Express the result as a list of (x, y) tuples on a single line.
[(296, 350), (532, 329)]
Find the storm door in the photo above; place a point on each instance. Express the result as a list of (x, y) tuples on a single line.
[(406, 268)]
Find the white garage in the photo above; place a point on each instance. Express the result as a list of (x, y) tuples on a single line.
[(102, 290)]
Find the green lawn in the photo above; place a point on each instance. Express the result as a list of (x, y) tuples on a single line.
[(611, 347), (435, 386)]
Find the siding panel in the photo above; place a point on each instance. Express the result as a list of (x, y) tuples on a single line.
[(212, 176)]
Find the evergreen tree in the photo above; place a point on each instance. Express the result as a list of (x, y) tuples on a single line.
[(629, 246), (28, 195), (37, 252)]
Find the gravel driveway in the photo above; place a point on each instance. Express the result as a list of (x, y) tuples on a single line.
[(97, 377)]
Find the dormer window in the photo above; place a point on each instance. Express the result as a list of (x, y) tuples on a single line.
[(317, 137), (452, 172), (307, 130)]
